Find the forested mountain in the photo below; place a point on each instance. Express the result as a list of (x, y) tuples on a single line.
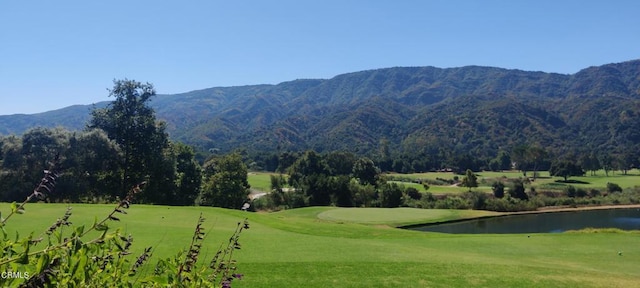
[(417, 110)]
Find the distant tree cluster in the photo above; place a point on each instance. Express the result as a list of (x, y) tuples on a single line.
[(122, 145), (566, 169), (316, 179), (331, 179), (525, 158), (336, 178)]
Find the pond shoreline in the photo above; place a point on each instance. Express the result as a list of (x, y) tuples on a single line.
[(552, 209), (543, 210)]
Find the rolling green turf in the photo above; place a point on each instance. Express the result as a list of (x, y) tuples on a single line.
[(600, 180), (486, 178), (260, 180), (331, 247)]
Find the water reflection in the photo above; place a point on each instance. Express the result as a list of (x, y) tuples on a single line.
[(626, 219)]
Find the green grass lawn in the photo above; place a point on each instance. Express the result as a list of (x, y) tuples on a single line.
[(261, 180), (486, 178), (600, 180), (353, 247), (484, 186)]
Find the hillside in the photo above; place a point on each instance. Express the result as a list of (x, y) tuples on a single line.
[(475, 109)]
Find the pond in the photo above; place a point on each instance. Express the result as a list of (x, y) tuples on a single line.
[(626, 219)]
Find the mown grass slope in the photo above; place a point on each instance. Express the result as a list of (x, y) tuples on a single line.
[(325, 247), (260, 180)]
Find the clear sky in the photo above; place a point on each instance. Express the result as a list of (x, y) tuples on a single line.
[(59, 53)]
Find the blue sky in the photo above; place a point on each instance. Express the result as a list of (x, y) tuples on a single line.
[(59, 53)]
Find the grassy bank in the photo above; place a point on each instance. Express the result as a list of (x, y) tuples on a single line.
[(324, 247)]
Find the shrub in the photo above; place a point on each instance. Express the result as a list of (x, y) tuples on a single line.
[(363, 195), (427, 201), (581, 192), (452, 202), (498, 189), (265, 203), (509, 204), (516, 190), (413, 193), (613, 187), (439, 181), (391, 195), (476, 199)]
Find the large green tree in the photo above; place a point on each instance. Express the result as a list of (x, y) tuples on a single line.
[(390, 195), (529, 157), (590, 162), (93, 161), (536, 154), (132, 124), (40, 146), (519, 156), (228, 186), (188, 175), (606, 161), (88, 162), (365, 171), (12, 171), (501, 162), (310, 174), (625, 159), (565, 169), (340, 162)]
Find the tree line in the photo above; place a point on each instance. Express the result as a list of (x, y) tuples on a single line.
[(122, 145), (524, 157)]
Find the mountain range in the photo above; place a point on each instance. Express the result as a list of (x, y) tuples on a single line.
[(479, 110)]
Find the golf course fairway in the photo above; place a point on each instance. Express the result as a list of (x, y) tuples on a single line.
[(359, 247)]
